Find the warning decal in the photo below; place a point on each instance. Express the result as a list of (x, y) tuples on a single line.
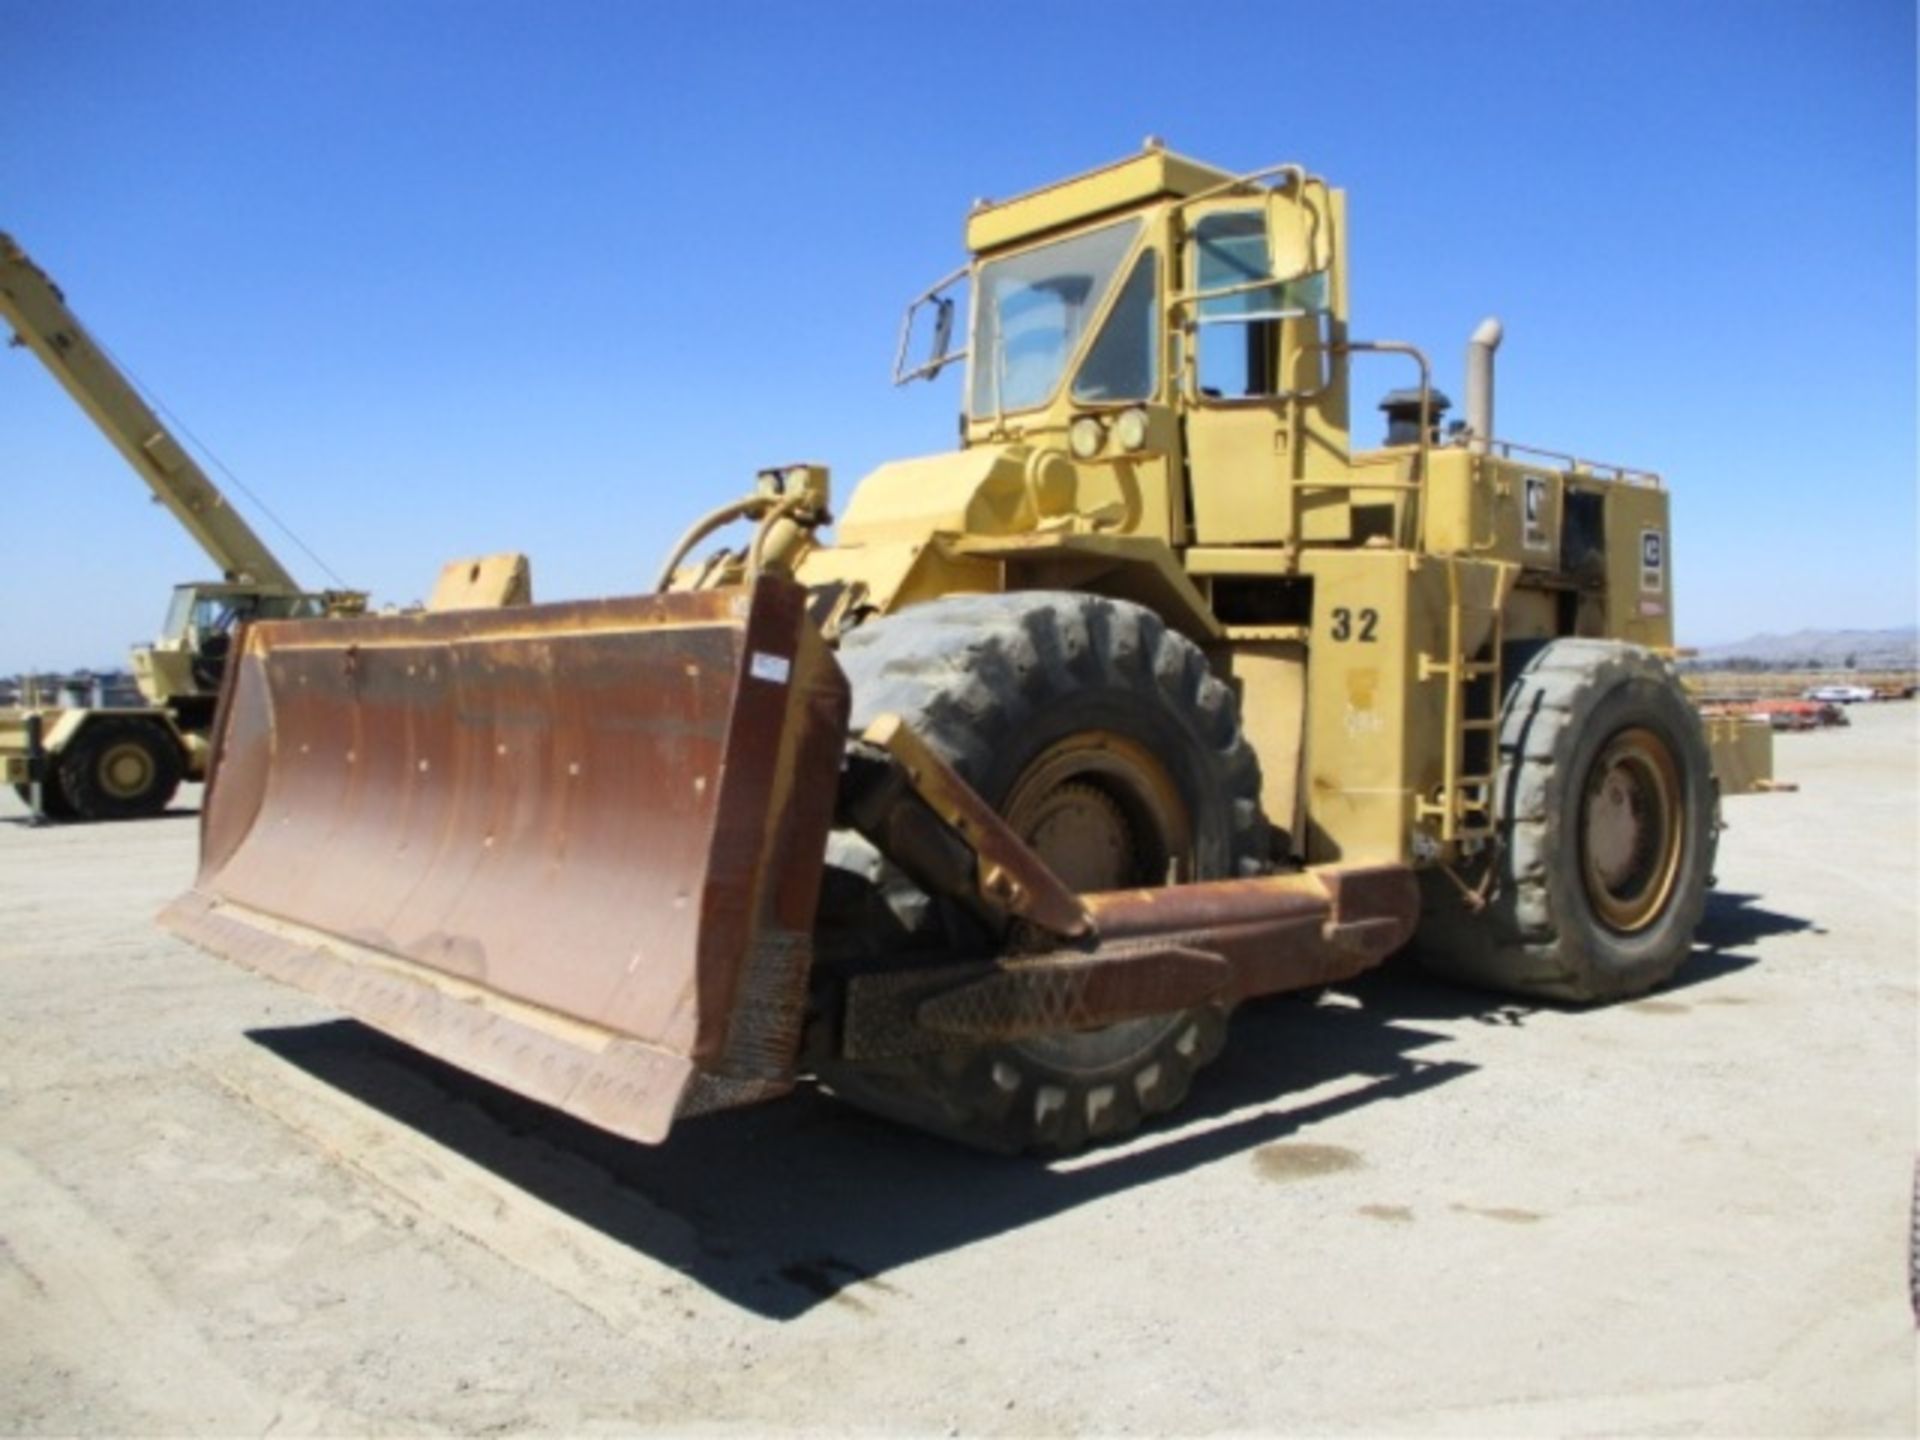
[(1653, 561), (1534, 513)]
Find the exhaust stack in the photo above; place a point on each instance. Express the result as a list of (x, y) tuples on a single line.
[(1480, 347)]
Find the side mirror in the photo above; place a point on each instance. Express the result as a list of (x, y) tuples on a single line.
[(1292, 230), (940, 353), (942, 331)]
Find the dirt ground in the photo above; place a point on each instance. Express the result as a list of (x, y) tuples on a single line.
[(1403, 1208)]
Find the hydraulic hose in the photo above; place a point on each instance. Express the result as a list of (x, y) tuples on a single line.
[(753, 505)]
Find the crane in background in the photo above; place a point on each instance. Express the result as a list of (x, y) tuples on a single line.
[(121, 762)]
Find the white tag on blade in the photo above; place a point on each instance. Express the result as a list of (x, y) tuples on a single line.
[(770, 667)]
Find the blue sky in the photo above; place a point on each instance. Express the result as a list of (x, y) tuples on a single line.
[(438, 278)]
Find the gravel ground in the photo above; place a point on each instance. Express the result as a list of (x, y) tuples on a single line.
[(1403, 1208)]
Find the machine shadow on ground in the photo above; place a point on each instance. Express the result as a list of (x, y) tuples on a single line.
[(1738, 922), (781, 1207), (791, 1203)]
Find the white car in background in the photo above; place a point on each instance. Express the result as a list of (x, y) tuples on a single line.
[(1840, 694)]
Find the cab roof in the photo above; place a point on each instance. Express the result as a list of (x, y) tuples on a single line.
[(1154, 174)]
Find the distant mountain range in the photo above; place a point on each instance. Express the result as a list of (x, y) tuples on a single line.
[(1896, 649)]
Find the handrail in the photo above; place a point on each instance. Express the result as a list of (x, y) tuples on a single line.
[(1294, 171), (1415, 521), (1626, 474), (1298, 179)]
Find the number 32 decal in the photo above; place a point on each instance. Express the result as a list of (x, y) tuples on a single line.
[(1344, 628)]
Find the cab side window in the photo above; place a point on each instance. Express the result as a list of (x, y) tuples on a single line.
[(1239, 331), (1236, 342)]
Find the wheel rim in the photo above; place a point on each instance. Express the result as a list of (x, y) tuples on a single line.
[(126, 770), (1630, 830), (1104, 814)]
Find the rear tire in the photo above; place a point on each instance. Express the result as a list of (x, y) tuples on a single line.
[(1106, 741), (120, 769), (1606, 825)]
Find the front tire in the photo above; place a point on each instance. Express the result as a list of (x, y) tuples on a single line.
[(120, 769), (1606, 831), (1110, 747)]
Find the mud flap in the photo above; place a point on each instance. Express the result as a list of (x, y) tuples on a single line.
[(572, 848), (1742, 750)]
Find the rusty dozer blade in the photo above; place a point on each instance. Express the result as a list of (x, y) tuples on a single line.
[(573, 848)]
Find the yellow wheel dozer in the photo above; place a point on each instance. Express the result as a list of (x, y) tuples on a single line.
[(1155, 695)]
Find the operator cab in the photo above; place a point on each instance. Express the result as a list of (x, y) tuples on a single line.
[(1151, 322), (202, 619)]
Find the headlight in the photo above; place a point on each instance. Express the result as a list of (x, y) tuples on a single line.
[(1086, 436), (1130, 429)]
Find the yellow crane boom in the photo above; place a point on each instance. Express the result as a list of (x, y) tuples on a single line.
[(38, 312)]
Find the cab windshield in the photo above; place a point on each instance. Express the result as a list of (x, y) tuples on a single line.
[(199, 613), (190, 611), (1031, 311)]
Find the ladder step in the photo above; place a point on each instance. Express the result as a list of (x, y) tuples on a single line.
[(1465, 804)]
